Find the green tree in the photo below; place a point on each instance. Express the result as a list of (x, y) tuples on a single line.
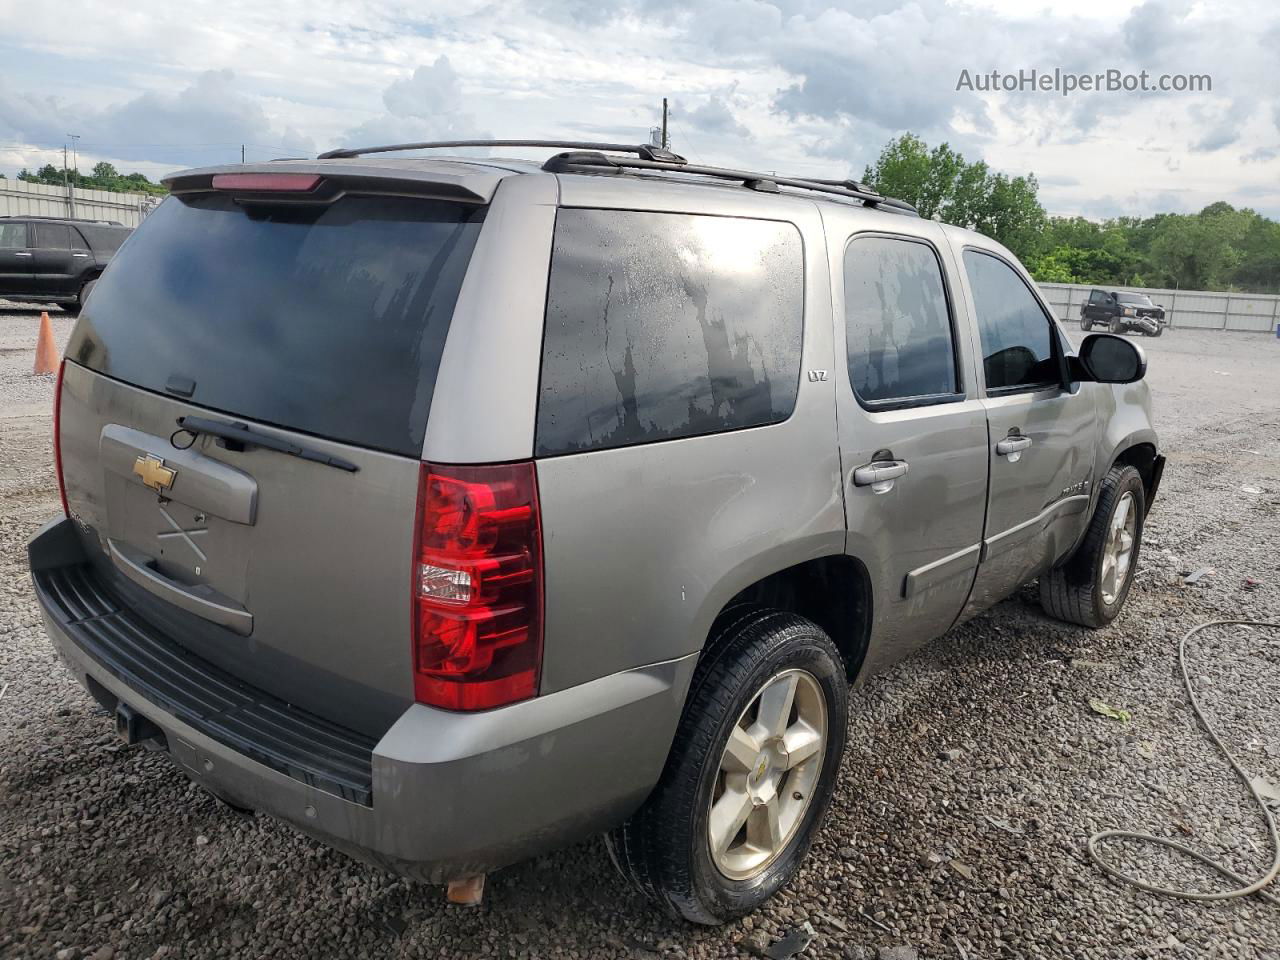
[(941, 183)]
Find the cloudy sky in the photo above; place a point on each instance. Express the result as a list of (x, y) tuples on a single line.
[(804, 86)]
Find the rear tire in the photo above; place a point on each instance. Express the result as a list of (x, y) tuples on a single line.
[(85, 289), (1091, 587), (666, 849), (1159, 330)]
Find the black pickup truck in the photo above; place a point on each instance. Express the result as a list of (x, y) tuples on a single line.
[(1120, 311), (53, 260)]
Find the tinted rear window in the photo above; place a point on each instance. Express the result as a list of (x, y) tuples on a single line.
[(325, 319), (664, 325), (51, 236), (103, 239)]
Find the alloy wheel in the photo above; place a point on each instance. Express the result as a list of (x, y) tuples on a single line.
[(768, 774)]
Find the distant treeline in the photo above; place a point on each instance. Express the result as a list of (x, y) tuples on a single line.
[(104, 176), (1219, 248)]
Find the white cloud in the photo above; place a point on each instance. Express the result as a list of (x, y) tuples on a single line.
[(811, 86), (428, 105), (715, 116), (210, 110)]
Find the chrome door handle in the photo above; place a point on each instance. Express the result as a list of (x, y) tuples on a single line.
[(879, 474), (1012, 447), (21, 254), (80, 255)]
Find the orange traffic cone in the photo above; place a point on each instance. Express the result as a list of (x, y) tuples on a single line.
[(46, 349)]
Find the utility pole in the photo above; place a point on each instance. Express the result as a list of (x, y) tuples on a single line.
[(66, 184), (242, 153), (75, 167), (665, 142)]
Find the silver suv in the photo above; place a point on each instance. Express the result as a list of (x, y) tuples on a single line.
[(453, 510)]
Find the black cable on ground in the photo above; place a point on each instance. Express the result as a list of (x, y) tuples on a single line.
[(1246, 887)]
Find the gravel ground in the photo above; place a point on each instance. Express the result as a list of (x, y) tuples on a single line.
[(107, 851)]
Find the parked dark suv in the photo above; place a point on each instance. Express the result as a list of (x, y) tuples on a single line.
[(53, 260), (1122, 311)]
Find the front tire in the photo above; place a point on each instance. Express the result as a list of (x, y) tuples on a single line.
[(1086, 324), (1091, 587), (750, 774), (1117, 325)]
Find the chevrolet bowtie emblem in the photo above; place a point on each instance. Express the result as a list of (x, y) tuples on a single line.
[(154, 473)]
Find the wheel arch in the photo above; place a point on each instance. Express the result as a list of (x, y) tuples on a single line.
[(1141, 455), (833, 591)]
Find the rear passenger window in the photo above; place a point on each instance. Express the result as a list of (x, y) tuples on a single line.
[(663, 325), (898, 328), (51, 236), (1017, 345), (13, 236)]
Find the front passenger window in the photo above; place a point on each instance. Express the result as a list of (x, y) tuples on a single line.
[(1017, 340)]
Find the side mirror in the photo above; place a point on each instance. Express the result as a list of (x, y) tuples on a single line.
[(1106, 358)]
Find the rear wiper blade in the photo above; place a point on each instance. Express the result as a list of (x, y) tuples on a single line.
[(242, 436)]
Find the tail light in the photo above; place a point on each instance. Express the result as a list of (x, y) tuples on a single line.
[(57, 436), (477, 586)]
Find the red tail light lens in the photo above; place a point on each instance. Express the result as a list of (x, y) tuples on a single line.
[(57, 436), (477, 586)]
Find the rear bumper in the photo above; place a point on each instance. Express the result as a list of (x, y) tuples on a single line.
[(449, 794)]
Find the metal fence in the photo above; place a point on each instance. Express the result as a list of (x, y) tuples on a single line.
[(1199, 309), (19, 198)]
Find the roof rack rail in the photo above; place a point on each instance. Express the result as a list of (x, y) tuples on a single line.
[(764, 182), (644, 150), (43, 216)]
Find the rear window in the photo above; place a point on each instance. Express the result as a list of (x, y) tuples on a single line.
[(103, 239), (51, 236), (664, 325), (325, 319)]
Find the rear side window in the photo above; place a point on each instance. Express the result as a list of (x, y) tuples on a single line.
[(898, 327), (1017, 344), (13, 236), (104, 240), (664, 325), (51, 236), (327, 319)]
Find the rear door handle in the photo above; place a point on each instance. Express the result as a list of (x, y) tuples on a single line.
[(80, 255), (201, 600), (1012, 447), (21, 254), (879, 475)]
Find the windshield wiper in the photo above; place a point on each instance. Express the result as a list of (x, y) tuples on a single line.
[(237, 436)]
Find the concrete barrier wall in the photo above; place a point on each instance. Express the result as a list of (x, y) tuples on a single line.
[(19, 198), (1199, 309)]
